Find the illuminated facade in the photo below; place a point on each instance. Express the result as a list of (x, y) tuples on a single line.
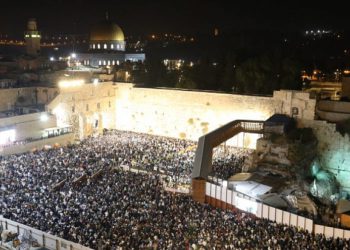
[(89, 108), (107, 47), (32, 38)]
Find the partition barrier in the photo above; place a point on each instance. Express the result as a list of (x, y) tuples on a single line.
[(224, 198), (44, 239)]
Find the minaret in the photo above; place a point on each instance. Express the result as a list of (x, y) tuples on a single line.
[(32, 37)]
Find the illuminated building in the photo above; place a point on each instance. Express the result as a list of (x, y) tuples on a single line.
[(107, 47), (32, 38), (32, 60)]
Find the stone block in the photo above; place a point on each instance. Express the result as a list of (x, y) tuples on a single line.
[(302, 95), (300, 104)]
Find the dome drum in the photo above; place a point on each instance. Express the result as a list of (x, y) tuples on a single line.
[(107, 45)]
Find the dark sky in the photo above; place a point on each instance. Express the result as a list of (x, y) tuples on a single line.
[(185, 16)]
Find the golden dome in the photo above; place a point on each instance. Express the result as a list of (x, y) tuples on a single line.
[(106, 31)]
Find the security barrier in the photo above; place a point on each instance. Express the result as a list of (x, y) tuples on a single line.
[(224, 198), (44, 239)]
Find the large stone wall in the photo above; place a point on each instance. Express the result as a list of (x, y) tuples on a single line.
[(297, 101), (184, 114), (83, 106), (168, 112), (190, 114), (333, 150), (9, 97)]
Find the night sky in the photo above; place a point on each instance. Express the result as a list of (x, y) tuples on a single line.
[(181, 16)]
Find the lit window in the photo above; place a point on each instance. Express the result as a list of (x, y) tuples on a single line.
[(93, 46), (109, 62), (100, 62), (117, 62), (104, 62), (113, 62), (98, 46), (112, 46), (105, 46), (118, 46)]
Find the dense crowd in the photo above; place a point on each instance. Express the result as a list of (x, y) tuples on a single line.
[(119, 209), (228, 161)]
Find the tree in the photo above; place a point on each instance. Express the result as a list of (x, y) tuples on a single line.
[(266, 73), (186, 83), (228, 73)]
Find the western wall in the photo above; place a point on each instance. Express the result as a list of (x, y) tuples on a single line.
[(190, 114), (185, 114)]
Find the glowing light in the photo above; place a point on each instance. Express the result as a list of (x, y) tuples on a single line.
[(44, 117), (73, 55), (52, 59), (7, 136), (346, 71), (71, 83), (95, 81), (32, 35), (58, 111)]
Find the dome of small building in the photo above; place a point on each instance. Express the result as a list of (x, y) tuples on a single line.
[(106, 31)]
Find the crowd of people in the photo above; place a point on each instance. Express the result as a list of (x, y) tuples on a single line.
[(228, 161), (82, 193)]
